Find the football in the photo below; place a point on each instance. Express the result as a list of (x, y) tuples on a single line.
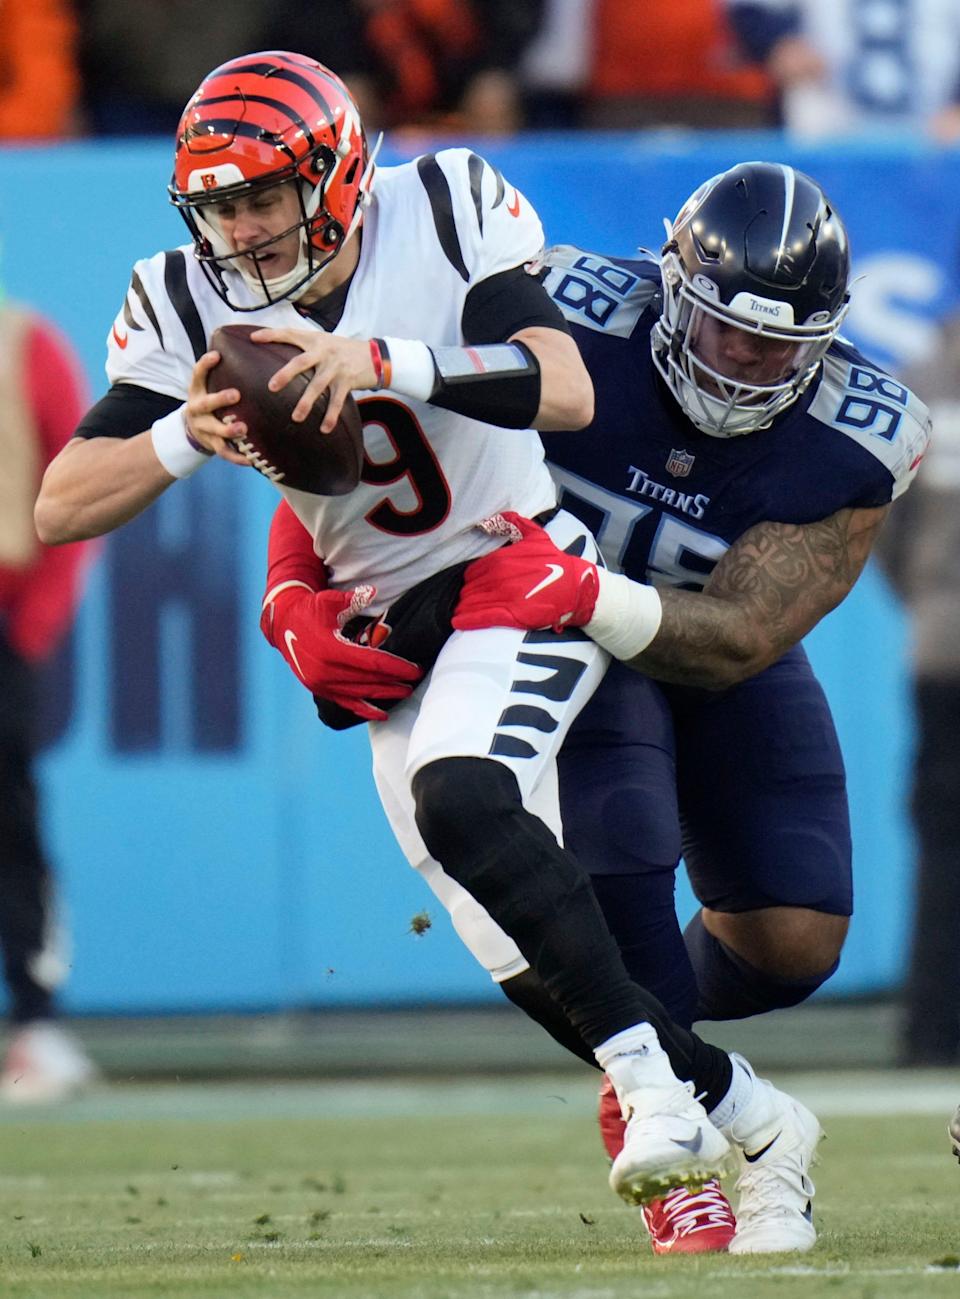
[(294, 455)]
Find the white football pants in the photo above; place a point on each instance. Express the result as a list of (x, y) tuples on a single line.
[(499, 693)]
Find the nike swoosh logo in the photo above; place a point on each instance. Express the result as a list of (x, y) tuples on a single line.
[(288, 638), (554, 574), (120, 342), (514, 207), (758, 1154), (693, 1145)]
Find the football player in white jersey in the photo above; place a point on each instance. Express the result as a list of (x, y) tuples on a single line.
[(381, 292)]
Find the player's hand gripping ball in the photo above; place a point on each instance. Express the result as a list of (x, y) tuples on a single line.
[(296, 455)]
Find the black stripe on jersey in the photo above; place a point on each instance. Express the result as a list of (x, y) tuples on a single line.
[(548, 637), (475, 166), (137, 285), (277, 104), (441, 205), (559, 686), (501, 185), (175, 281), (128, 317)]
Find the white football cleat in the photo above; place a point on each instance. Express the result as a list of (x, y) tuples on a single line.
[(44, 1063), (669, 1141), (776, 1138)]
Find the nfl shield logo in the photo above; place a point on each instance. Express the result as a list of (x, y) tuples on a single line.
[(679, 463)]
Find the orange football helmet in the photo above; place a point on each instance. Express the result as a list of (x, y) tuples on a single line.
[(260, 121)]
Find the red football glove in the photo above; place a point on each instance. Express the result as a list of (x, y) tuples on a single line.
[(306, 627), (530, 584)]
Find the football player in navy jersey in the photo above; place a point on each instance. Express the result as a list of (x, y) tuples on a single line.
[(743, 458)]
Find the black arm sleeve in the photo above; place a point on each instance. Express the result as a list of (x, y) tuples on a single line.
[(497, 308), (124, 411)]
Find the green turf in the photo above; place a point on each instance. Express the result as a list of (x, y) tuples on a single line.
[(501, 1193)]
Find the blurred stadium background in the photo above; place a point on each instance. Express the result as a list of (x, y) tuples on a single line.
[(235, 901)]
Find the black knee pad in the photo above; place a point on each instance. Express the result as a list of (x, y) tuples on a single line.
[(460, 801), (472, 818)]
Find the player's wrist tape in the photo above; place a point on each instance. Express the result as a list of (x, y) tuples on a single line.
[(173, 446), (626, 616), (498, 383), (406, 366)]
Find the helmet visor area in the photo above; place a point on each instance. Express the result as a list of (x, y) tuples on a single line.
[(747, 362), (264, 222), (728, 352)]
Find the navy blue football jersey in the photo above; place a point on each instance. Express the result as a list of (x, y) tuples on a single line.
[(666, 500)]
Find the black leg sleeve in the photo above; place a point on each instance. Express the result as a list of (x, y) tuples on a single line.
[(528, 993), (473, 822)]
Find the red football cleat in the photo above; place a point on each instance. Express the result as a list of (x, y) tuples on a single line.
[(612, 1122), (683, 1222), (691, 1222)]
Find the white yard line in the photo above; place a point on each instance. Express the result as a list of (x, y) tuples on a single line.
[(829, 1094)]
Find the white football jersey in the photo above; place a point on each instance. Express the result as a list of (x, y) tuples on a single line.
[(436, 227)]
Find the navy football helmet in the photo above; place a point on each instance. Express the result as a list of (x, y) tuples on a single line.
[(755, 287)]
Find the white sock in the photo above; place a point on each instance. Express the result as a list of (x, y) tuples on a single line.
[(739, 1094), (640, 1039)]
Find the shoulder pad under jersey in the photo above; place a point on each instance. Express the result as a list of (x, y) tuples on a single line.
[(606, 294), (878, 412)]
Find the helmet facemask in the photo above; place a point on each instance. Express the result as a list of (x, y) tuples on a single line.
[(787, 354), (321, 235)]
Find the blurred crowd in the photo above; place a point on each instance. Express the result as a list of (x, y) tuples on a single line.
[(490, 67)]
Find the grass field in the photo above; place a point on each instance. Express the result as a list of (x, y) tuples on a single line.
[(439, 1190)]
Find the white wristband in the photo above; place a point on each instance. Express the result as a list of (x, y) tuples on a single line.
[(626, 616), (412, 371), (172, 445)]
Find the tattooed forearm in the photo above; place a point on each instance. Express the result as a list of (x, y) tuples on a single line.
[(774, 584)]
